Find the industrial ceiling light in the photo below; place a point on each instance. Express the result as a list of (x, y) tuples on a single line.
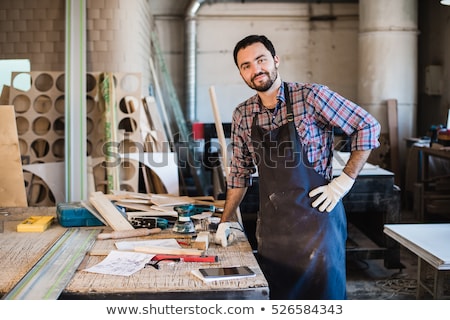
[(445, 2)]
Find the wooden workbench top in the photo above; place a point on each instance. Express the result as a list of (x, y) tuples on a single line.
[(19, 252), (428, 241), (173, 279)]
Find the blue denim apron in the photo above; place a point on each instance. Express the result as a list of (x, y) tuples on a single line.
[(300, 249)]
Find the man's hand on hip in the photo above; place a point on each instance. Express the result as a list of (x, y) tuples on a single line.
[(331, 193)]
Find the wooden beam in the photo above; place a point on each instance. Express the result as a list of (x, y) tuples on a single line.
[(222, 141), (13, 193), (109, 212)]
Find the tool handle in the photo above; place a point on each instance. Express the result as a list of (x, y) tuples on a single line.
[(128, 233), (186, 258)]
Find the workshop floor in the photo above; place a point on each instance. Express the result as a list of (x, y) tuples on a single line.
[(370, 280)]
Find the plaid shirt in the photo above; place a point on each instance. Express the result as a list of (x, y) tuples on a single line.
[(317, 110)]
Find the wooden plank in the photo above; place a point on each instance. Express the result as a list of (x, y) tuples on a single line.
[(109, 212), (155, 123), (222, 141), (170, 200), (13, 193), (164, 250), (4, 96), (134, 206), (219, 130)]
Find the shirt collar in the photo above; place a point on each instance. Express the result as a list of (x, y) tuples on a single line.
[(280, 97)]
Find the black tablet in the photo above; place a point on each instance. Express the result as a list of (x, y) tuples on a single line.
[(226, 272)]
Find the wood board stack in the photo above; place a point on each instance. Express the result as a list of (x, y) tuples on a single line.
[(145, 204)]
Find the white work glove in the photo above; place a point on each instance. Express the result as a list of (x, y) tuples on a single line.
[(224, 236), (332, 192)]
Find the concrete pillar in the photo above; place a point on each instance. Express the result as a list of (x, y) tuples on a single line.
[(388, 65)]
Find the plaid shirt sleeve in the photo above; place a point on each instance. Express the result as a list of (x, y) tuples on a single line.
[(338, 111)]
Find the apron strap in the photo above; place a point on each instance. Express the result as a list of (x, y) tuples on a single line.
[(290, 119)]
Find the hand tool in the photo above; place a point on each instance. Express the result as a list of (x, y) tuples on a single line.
[(128, 233), (35, 224), (154, 262), (184, 223), (148, 222), (186, 258)]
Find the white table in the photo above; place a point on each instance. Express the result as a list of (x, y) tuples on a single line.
[(430, 242)]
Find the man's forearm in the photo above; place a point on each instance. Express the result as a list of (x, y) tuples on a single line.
[(232, 202), (356, 162)]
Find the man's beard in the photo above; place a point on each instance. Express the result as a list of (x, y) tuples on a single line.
[(265, 85)]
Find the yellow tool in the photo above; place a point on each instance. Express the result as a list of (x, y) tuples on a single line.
[(35, 224)]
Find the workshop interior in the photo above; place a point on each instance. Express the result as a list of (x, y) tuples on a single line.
[(115, 124)]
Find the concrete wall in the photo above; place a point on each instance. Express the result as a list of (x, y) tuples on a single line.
[(325, 51), (318, 51), (322, 51), (311, 49)]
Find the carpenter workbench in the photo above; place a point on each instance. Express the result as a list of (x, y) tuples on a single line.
[(429, 241), (19, 252)]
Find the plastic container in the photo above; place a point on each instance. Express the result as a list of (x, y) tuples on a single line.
[(73, 214)]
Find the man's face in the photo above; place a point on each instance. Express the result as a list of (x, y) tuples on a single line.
[(257, 66)]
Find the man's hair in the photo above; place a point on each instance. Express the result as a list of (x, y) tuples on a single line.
[(249, 40)]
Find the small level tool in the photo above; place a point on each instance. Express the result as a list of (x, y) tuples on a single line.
[(35, 224)]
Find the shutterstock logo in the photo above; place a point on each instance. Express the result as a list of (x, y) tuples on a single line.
[(198, 154)]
